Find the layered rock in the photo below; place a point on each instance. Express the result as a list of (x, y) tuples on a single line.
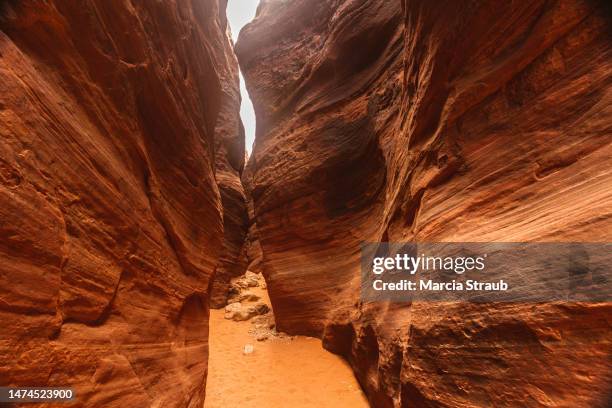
[(110, 215), (433, 121), (252, 254), (229, 163)]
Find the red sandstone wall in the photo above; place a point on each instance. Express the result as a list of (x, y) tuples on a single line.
[(433, 121), (229, 164), (110, 214)]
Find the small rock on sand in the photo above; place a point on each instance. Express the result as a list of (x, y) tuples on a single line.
[(244, 297), (238, 312), (251, 279)]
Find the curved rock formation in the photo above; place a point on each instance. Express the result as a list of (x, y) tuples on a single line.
[(110, 214), (433, 121), (251, 250), (229, 163)]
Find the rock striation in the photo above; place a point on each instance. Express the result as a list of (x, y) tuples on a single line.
[(433, 121), (111, 220), (252, 254), (229, 164)]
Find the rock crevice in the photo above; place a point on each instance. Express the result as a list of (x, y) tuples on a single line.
[(126, 208)]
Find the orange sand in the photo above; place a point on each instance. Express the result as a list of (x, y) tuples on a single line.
[(281, 372)]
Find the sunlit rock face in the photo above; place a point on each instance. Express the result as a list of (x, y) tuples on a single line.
[(111, 221), (433, 121)]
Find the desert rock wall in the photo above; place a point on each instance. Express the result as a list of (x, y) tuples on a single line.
[(318, 169), (229, 165), (433, 121), (111, 220), (252, 254)]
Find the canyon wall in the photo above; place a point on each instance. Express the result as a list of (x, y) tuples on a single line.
[(229, 164), (111, 220), (251, 250), (433, 121)]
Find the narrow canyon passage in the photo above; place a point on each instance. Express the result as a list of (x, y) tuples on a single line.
[(132, 202), (250, 365)]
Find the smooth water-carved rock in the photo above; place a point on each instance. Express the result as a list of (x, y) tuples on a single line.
[(229, 164), (110, 214), (251, 250), (433, 121)]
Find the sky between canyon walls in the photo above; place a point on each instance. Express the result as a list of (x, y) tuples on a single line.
[(239, 13)]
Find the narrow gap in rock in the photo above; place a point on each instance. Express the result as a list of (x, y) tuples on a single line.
[(239, 13), (251, 364)]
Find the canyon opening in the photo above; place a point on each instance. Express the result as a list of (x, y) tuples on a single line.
[(162, 244)]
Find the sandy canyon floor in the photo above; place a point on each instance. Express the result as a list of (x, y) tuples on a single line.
[(282, 371)]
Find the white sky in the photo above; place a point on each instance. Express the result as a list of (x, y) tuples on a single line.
[(239, 13)]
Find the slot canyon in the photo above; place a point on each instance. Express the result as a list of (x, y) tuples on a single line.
[(129, 206)]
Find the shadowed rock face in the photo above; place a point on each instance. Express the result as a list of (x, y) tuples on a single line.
[(252, 255), (433, 121), (229, 164), (110, 214)]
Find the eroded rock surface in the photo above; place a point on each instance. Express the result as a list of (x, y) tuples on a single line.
[(433, 121), (248, 300), (229, 164), (239, 312), (252, 254), (110, 214)]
